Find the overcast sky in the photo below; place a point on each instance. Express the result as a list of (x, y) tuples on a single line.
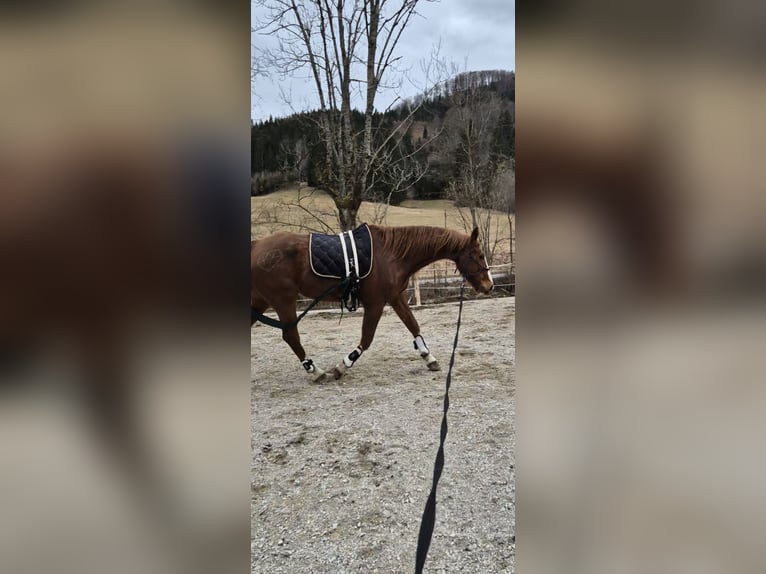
[(472, 34)]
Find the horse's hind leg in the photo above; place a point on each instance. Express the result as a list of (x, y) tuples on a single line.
[(257, 305), (405, 314), (369, 325), (286, 313), (293, 338)]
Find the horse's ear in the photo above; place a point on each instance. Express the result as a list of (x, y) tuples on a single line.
[(475, 234)]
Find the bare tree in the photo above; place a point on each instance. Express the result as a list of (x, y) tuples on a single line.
[(503, 190), (480, 182), (256, 66), (294, 158), (256, 70), (349, 51)]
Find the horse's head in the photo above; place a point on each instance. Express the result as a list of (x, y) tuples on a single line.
[(473, 265)]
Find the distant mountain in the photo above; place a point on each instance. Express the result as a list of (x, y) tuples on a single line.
[(453, 92)]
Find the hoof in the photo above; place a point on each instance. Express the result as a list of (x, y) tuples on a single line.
[(319, 377), (339, 370), (434, 366), (337, 373)]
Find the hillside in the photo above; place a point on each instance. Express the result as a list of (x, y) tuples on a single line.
[(434, 131)]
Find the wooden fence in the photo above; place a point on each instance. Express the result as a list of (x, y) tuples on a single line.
[(441, 283), (434, 285)]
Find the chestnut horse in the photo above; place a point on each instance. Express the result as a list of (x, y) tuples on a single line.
[(280, 270)]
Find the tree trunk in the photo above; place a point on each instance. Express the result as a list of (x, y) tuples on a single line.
[(372, 81), (347, 218), (348, 204)]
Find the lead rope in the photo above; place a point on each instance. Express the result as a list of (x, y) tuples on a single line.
[(429, 514), (256, 316)]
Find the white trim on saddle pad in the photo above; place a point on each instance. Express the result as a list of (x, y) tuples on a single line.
[(353, 250), (345, 251), (345, 254)]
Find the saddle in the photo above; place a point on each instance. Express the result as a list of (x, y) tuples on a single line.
[(346, 256), (334, 256)]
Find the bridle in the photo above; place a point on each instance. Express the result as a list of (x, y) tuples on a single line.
[(468, 275)]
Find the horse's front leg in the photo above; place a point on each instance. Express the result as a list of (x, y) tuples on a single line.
[(405, 314), (369, 324)]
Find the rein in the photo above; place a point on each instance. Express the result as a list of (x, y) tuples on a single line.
[(429, 513), (256, 316)]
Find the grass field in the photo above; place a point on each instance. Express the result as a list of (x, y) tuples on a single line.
[(304, 209)]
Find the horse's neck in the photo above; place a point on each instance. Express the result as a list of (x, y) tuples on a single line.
[(429, 251)]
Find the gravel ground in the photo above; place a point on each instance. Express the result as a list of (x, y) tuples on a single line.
[(341, 471)]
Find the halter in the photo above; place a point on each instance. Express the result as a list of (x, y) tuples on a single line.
[(467, 275)]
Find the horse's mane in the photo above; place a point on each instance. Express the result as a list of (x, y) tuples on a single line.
[(401, 241)]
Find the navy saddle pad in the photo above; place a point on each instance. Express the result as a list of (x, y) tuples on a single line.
[(328, 258)]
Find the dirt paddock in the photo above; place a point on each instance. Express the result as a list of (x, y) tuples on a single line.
[(341, 471)]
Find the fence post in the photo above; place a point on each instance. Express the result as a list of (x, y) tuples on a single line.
[(417, 289), (510, 225)]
